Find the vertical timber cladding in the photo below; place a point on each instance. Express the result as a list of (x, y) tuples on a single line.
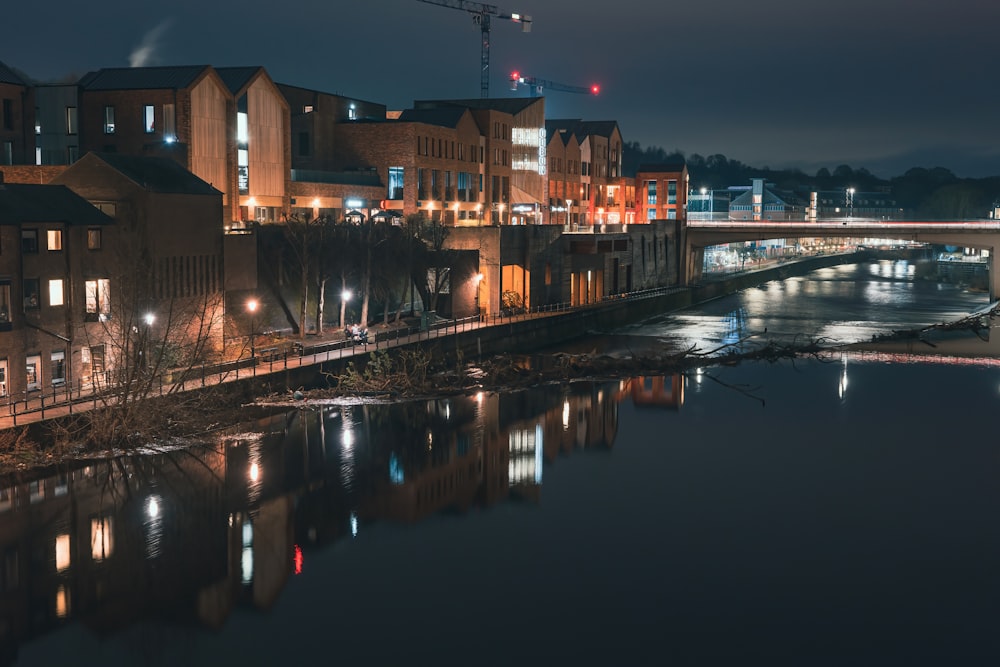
[(208, 137), (266, 144)]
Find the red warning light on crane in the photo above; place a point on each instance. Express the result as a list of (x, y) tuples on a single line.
[(594, 90)]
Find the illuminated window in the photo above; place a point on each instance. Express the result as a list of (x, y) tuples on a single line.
[(31, 367), (169, 123), (149, 119), (70, 120), (56, 292), (651, 193), (98, 299), (62, 602), (109, 120), (395, 183), (54, 239), (671, 192), (94, 238)]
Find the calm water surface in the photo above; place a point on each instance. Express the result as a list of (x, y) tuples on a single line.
[(835, 512)]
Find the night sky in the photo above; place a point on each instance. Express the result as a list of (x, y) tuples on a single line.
[(880, 84)]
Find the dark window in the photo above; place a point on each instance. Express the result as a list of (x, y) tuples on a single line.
[(94, 238), (8, 114), (304, 144), (29, 241), (31, 297)]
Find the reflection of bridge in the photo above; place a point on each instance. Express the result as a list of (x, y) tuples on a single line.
[(982, 234)]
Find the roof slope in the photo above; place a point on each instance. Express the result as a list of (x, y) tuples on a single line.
[(7, 75), (142, 78), (237, 78), (23, 202), (157, 174), (446, 117)]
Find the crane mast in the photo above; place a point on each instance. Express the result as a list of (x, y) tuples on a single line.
[(538, 85), (482, 16)]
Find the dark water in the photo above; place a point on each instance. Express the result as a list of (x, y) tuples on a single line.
[(822, 512)]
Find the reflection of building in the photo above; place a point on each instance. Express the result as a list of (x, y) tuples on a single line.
[(657, 391), (205, 532)]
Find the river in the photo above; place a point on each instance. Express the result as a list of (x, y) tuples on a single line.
[(830, 511)]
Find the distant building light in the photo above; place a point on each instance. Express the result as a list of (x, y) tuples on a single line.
[(354, 203)]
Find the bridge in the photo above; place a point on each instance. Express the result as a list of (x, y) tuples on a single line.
[(700, 234)]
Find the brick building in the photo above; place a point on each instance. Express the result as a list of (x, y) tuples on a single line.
[(661, 191), (602, 200), (17, 111), (514, 141), (51, 286), (564, 157)]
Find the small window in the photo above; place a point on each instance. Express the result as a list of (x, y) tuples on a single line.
[(5, 310), (31, 379), (148, 118), (54, 239), (70, 120), (30, 286), (98, 294), (58, 367), (94, 238), (109, 120), (29, 241), (7, 153), (56, 292)]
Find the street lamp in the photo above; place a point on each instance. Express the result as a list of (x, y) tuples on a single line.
[(569, 213), (850, 202), (252, 309), (345, 296)]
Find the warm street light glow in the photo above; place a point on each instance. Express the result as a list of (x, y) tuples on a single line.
[(252, 305), (345, 295), (478, 277), (149, 318)]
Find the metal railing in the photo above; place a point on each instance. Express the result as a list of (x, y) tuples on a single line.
[(69, 398)]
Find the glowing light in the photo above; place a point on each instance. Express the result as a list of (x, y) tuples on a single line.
[(152, 507), (347, 438), (101, 541), (354, 524), (298, 559), (315, 202), (252, 305), (565, 415), (594, 90), (345, 295), (354, 203), (254, 472), (62, 602), (64, 557), (149, 318)]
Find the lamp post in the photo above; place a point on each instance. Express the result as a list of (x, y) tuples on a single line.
[(569, 214), (252, 309), (148, 320), (850, 202), (345, 296)]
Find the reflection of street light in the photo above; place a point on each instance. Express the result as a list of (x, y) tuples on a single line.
[(252, 309)]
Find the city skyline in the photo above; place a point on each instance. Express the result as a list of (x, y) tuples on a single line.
[(885, 87)]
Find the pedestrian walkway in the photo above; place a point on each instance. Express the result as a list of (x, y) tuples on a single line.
[(313, 350)]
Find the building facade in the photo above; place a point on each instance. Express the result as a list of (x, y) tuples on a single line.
[(661, 191)]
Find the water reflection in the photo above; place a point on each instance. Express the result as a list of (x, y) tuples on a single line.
[(204, 532)]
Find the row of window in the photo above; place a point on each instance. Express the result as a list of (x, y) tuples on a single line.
[(54, 240), (448, 150), (92, 358), (98, 297)]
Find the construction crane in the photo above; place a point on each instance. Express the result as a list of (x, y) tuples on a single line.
[(538, 85), (481, 16)]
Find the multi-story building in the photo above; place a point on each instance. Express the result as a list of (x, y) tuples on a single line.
[(602, 201), (514, 142), (563, 153), (17, 108), (53, 288), (661, 191), (229, 127), (431, 160)]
